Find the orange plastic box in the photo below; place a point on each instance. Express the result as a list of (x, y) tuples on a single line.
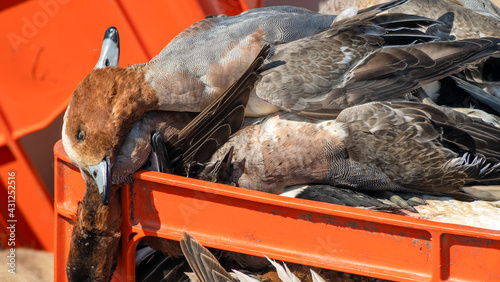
[(318, 234)]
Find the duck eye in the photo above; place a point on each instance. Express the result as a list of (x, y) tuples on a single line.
[(80, 135), (107, 63)]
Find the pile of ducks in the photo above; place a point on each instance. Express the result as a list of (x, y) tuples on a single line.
[(321, 106)]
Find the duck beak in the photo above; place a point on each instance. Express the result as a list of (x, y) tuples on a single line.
[(102, 176), (110, 51)]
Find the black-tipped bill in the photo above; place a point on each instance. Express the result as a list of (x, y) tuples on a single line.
[(110, 52), (102, 176)]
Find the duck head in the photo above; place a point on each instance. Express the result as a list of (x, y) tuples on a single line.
[(101, 112), (102, 109)]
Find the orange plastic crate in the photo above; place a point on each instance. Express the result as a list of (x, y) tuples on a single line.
[(318, 234)]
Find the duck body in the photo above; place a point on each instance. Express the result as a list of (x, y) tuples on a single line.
[(96, 235), (376, 146), (202, 61), (185, 77)]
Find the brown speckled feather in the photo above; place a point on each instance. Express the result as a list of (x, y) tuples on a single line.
[(461, 21), (356, 69), (376, 146), (203, 263), (411, 147), (485, 135)]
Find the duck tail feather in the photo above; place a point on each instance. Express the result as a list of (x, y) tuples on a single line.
[(384, 6), (203, 263)]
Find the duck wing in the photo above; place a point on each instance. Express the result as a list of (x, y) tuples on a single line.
[(362, 59), (203, 263), (420, 148), (477, 136), (460, 21), (197, 141)]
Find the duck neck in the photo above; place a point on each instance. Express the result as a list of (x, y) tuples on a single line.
[(136, 96), (95, 239), (179, 89)]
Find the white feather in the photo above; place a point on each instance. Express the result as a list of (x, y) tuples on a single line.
[(432, 89), (283, 272), (346, 14), (293, 191), (482, 214), (242, 277), (316, 278)]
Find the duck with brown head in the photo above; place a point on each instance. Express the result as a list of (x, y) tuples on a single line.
[(96, 235), (195, 68), (93, 145), (184, 77)]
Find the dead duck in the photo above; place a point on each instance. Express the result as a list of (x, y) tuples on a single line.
[(118, 139), (106, 104), (95, 237), (110, 100), (401, 146)]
